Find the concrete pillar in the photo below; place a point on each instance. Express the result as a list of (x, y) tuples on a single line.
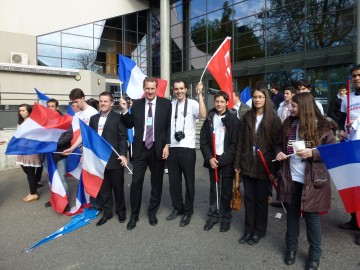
[(165, 43)]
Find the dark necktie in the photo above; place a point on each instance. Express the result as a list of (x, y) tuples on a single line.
[(149, 130)]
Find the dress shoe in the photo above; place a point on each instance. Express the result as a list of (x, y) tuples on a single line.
[(312, 264), (185, 220), (122, 218), (209, 224), (102, 221), (48, 204), (132, 223), (173, 214), (31, 197), (225, 226), (253, 240), (351, 225), (153, 220), (357, 239), (244, 238), (67, 208), (290, 257)]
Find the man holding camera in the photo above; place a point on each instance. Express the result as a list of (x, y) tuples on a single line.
[(182, 156)]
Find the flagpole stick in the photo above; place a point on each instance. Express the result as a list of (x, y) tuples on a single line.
[(348, 104), (77, 154), (127, 167), (121, 91), (216, 173), (292, 154)]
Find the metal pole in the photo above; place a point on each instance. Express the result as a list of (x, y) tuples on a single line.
[(165, 43)]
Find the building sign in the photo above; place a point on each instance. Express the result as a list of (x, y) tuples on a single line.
[(38, 70)]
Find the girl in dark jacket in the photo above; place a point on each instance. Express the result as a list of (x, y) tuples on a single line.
[(305, 182), (259, 129), (224, 124)]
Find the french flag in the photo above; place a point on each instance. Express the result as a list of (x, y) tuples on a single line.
[(96, 154), (132, 78), (58, 197), (343, 161), (42, 98), (82, 200), (245, 96), (39, 133)]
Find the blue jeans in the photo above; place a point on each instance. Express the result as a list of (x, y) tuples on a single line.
[(313, 226)]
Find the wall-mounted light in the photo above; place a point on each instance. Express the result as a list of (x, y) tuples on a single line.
[(99, 81), (77, 77)]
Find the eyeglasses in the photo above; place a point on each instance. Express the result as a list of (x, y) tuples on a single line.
[(258, 97)]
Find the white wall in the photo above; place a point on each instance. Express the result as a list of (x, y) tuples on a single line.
[(6, 162), (39, 17)]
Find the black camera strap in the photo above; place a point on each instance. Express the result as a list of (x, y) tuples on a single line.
[(185, 112)]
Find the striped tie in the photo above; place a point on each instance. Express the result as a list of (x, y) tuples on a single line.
[(149, 130)]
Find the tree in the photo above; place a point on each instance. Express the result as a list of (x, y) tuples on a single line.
[(86, 61)]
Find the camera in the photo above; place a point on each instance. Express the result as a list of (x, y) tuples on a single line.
[(179, 135)]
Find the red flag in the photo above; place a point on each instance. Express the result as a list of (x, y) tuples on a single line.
[(220, 67), (161, 89)]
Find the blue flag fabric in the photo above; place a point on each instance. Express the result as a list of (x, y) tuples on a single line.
[(245, 95)]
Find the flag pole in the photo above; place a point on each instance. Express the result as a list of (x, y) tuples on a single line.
[(127, 167), (216, 172), (348, 104), (121, 91)]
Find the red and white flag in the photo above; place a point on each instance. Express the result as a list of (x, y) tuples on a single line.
[(220, 67)]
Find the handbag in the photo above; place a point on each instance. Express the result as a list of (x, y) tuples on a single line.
[(236, 200)]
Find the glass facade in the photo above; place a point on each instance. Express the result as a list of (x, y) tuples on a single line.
[(279, 41)]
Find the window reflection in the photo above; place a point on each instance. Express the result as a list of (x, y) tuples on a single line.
[(84, 30)]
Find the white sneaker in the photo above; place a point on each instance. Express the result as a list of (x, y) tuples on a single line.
[(166, 171)]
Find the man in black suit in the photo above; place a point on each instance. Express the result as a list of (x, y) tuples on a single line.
[(151, 119), (109, 125)]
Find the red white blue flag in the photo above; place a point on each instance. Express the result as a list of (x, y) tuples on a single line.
[(42, 98), (343, 161), (96, 154), (39, 133)]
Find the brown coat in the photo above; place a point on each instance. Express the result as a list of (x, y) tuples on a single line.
[(316, 194)]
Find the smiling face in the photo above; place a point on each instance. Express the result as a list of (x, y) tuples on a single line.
[(180, 91), (150, 90), (220, 104), (105, 104), (294, 109), (355, 76)]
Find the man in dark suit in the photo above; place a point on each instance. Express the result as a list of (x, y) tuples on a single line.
[(109, 125), (151, 119)]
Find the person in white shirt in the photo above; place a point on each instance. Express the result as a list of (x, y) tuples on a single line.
[(182, 155), (284, 108), (304, 86)]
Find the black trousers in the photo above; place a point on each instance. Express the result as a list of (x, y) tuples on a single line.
[(147, 158), (225, 195), (113, 182), (256, 205), (31, 177), (181, 161)]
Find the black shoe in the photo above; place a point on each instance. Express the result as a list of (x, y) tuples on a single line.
[(351, 225), (122, 218), (48, 204), (312, 264), (253, 240), (67, 208), (39, 185), (225, 226), (132, 223), (185, 220), (102, 221), (244, 238), (209, 224), (276, 204), (153, 220), (290, 257), (173, 214), (357, 239)]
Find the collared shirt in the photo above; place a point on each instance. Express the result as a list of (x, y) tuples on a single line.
[(101, 124), (153, 109), (219, 133)]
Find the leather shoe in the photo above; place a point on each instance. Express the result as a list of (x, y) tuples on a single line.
[(253, 240), (173, 214), (132, 223), (351, 225), (244, 238), (357, 239), (122, 218), (290, 257), (102, 221), (312, 264), (209, 224), (48, 204), (185, 220), (153, 220), (225, 226)]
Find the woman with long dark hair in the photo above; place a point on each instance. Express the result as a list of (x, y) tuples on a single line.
[(259, 129), (28, 163), (305, 182)]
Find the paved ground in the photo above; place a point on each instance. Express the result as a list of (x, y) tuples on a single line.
[(165, 246)]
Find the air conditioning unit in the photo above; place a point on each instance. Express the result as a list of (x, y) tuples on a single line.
[(19, 58)]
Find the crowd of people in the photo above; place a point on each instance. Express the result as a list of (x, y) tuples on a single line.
[(287, 127)]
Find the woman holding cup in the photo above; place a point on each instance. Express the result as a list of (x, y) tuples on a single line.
[(305, 182)]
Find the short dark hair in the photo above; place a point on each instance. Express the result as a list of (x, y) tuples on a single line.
[(275, 86), (290, 88), (237, 94), (150, 79), (76, 93), (93, 103), (343, 86), (222, 94), (53, 100), (107, 94), (179, 81), (356, 67), (305, 83)]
